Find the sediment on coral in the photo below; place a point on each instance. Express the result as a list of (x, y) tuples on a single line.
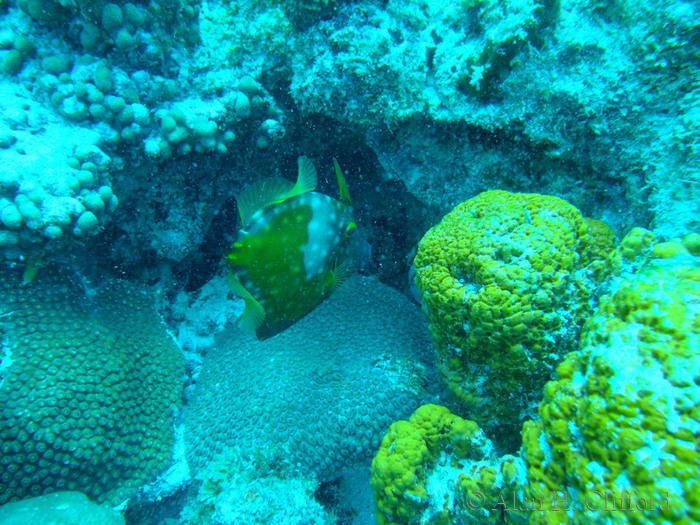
[(622, 415)]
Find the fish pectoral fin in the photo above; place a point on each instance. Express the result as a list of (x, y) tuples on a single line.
[(254, 314), (341, 273)]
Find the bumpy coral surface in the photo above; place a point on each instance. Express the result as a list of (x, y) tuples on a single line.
[(439, 468), (88, 389), (58, 508), (320, 394), (620, 427), (506, 280)]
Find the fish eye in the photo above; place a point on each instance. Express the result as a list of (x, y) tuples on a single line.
[(350, 230)]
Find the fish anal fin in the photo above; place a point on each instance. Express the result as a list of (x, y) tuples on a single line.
[(254, 314)]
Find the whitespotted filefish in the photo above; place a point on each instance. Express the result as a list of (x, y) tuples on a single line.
[(295, 248)]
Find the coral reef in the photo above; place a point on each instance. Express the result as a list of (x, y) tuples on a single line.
[(439, 468), (619, 427), (127, 128), (507, 279), (141, 33), (55, 187), (320, 393), (58, 508), (617, 432), (461, 97), (236, 488), (89, 385), (76, 119)]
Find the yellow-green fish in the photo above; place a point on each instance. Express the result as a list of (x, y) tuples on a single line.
[(295, 247)]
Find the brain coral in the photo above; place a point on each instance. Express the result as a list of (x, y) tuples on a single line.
[(441, 469), (620, 427), (322, 392), (506, 280), (89, 384)]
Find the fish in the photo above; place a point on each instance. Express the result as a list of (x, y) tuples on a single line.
[(294, 249)]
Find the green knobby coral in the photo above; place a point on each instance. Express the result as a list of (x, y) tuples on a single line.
[(440, 469), (89, 387), (506, 280), (619, 430)]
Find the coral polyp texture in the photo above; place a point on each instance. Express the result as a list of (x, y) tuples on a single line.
[(441, 469), (320, 394), (619, 428), (58, 508), (89, 387), (506, 280)]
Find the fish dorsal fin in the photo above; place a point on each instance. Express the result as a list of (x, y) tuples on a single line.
[(254, 314), (275, 190), (344, 193), (260, 194)]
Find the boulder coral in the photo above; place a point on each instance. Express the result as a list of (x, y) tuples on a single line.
[(321, 393), (616, 436), (506, 280), (441, 469), (89, 387), (620, 426)]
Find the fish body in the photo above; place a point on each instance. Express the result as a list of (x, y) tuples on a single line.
[(296, 246)]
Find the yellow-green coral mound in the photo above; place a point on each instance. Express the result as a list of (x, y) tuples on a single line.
[(438, 468), (620, 427), (89, 384), (506, 280)]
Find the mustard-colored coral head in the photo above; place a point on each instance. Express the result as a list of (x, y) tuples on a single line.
[(623, 417), (505, 282), (441, 469)]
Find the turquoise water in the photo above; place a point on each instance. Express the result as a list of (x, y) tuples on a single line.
[(504, 221)]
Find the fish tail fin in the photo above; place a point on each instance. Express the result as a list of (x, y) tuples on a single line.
[(254, 314), (344, 193), (306, 178)]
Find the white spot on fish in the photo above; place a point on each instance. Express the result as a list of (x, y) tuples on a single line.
[(322, 238)]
